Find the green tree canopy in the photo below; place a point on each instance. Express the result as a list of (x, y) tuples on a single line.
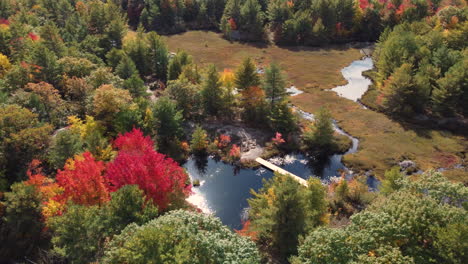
[(283, 210), (246, 75), (181, 237), (410, 225), (274, 84)]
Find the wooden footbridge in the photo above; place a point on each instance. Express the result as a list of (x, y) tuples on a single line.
[(275, 168)]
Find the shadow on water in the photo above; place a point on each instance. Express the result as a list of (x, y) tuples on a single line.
[(201, 163)]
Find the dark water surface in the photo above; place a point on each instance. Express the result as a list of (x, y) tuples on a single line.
[(224, 188)]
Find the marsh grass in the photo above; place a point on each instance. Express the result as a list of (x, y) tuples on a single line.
[(383, 141)]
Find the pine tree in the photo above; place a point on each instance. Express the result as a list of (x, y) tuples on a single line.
[(451, 91), (274, 84), (212, 92), (47, 61), (158, 55), (246, 75), (277, 214), (168, 121), (177, 64), (138, 50), (400, 91), (135, 85), (199, 141), (392, 181), (251, 19), (320, 135), (50, 37), (126, 68), (282, 119), (174, 69)]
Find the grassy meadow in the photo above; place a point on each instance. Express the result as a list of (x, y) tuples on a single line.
[(383, 142)]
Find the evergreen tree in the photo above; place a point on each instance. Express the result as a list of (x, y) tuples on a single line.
[(150, 14), (400, 91), (126, 68), (114, 57), (212, 92), (174, 69), (127, 119), (278, 212), (392, 181), (320, 135), (177, 63), (231, 17), (246, 75), (51, 38), (135, 85), (274, 84), (47, 61), (21, 225), (168, 121), (114, 34), (251, 19), (282, 119), (64, 145), (451, 91), (138, 50), (199, 141), (158, 55)]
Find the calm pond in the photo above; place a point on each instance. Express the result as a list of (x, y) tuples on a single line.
[(224, 188)]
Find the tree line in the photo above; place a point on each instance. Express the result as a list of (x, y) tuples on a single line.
[(422, 67)]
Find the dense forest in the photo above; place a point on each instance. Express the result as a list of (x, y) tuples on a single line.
[(97, 115)]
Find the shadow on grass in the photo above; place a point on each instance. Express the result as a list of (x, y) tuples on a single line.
[(329, 47), (423, 128)]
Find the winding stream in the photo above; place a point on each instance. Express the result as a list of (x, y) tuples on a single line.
[(224, 188), (357, 84)]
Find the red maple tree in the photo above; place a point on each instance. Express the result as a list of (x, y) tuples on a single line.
[(82, 181), (161, 178), (134, 142)]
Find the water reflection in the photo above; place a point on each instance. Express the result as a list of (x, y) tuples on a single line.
[(225, 188)]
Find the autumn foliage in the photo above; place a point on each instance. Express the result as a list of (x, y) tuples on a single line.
[(49, 190), (83, 181), (235, 153), (224, 141), (278, 139), (161, 178)]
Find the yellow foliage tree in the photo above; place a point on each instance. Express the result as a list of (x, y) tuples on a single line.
[(227, 78), (109, 100), (5, 65)]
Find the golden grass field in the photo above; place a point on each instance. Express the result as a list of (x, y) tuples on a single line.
[(383, 142)]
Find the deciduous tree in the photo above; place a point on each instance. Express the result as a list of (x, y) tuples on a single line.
[(83, 181), (161, 179), (109, 100)]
